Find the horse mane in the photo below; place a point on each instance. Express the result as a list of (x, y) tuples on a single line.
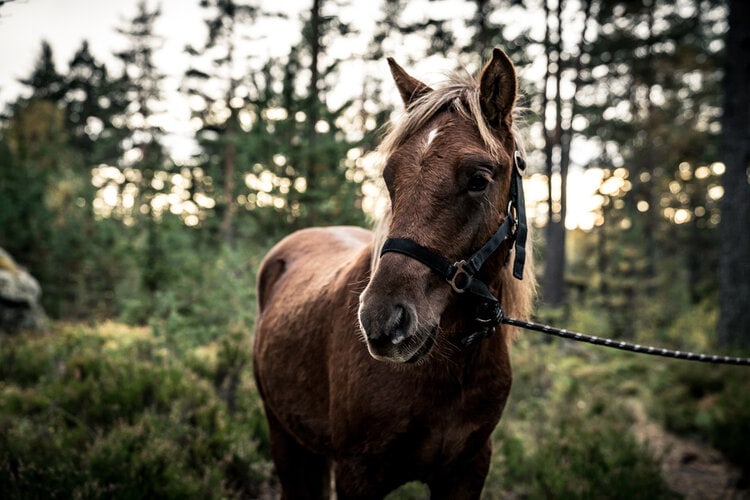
[(461, 93)]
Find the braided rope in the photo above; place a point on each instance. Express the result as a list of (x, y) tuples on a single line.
[(625, 346)]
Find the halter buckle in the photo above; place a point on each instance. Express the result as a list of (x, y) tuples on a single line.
[(512, 212), (455, 279)]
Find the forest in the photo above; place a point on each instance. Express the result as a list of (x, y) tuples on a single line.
[(136, 378)]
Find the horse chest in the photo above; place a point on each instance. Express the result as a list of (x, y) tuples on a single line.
[(444, 442), (426, 426), (462, 424)]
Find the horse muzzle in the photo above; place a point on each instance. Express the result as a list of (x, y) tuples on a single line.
[(393, 330)]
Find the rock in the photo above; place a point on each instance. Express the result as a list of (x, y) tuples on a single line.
[(19, 297)]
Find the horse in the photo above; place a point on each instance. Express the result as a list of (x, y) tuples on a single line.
[(375, 367)]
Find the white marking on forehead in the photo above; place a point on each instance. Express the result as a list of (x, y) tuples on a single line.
[(431, 136)]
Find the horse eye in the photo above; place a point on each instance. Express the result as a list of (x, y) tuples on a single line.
[(478, 182)]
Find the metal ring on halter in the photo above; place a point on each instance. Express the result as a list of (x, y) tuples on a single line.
[(459, 266), (495, 316)]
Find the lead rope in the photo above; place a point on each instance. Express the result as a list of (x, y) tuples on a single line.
[(624, 346)]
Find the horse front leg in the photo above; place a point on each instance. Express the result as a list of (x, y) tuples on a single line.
[(465, 479), (361, 478), (303, 475)]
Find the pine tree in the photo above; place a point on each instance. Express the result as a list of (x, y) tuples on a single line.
[(560, 69), (218, 81), (328, 195), (94, 101), (46, 187), (657, 65), (45, 82), (144, 151), (294, 143)]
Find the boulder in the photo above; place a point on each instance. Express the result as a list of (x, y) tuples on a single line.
[(19, 297)]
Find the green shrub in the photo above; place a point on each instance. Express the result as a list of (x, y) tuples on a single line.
[(120, 411), (206, 296), (150, 458), (410, 491), (111, 411), (39, 455), (580, 458)]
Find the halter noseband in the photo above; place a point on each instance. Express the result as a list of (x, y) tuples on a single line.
[(461, 275)]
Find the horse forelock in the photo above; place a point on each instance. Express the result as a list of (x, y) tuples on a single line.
[(461, 94)]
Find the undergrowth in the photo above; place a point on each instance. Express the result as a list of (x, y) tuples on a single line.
[(566, 430), (110, 411), (711, 404), (118, 411)]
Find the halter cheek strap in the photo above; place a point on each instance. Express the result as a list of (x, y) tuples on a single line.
[(461, 275), (517, 199)]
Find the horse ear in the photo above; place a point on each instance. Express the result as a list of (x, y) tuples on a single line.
[(498, 89), (409, 87)]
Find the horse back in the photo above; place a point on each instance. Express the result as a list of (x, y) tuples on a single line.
[(315, 255)]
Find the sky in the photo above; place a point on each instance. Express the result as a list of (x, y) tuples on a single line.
[(66, 23)]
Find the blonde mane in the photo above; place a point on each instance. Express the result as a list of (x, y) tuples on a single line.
[(461, 93)]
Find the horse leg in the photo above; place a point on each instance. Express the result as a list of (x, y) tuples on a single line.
[(464, 480), (361, 479), (303, 474)]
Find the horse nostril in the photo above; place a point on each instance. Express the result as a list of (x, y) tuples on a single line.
[(398, 337), (388, 327), (399, 324)]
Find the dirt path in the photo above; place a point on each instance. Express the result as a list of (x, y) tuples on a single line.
[(691, 469)]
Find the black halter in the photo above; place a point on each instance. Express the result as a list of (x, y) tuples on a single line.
[(461, 275)]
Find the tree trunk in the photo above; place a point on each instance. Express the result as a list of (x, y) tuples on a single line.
[(734, 260), (554, 264), (482, 37), (314, 56), (314, 94), (649, 165), (554, 272)]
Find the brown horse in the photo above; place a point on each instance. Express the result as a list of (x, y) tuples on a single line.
[(364, 361)]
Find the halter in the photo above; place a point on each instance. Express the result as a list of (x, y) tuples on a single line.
[(460, 275)]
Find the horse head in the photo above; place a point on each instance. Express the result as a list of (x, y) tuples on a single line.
[(448, 167)]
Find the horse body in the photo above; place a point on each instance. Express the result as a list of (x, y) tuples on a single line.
[(383, 424), (359, 358)]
